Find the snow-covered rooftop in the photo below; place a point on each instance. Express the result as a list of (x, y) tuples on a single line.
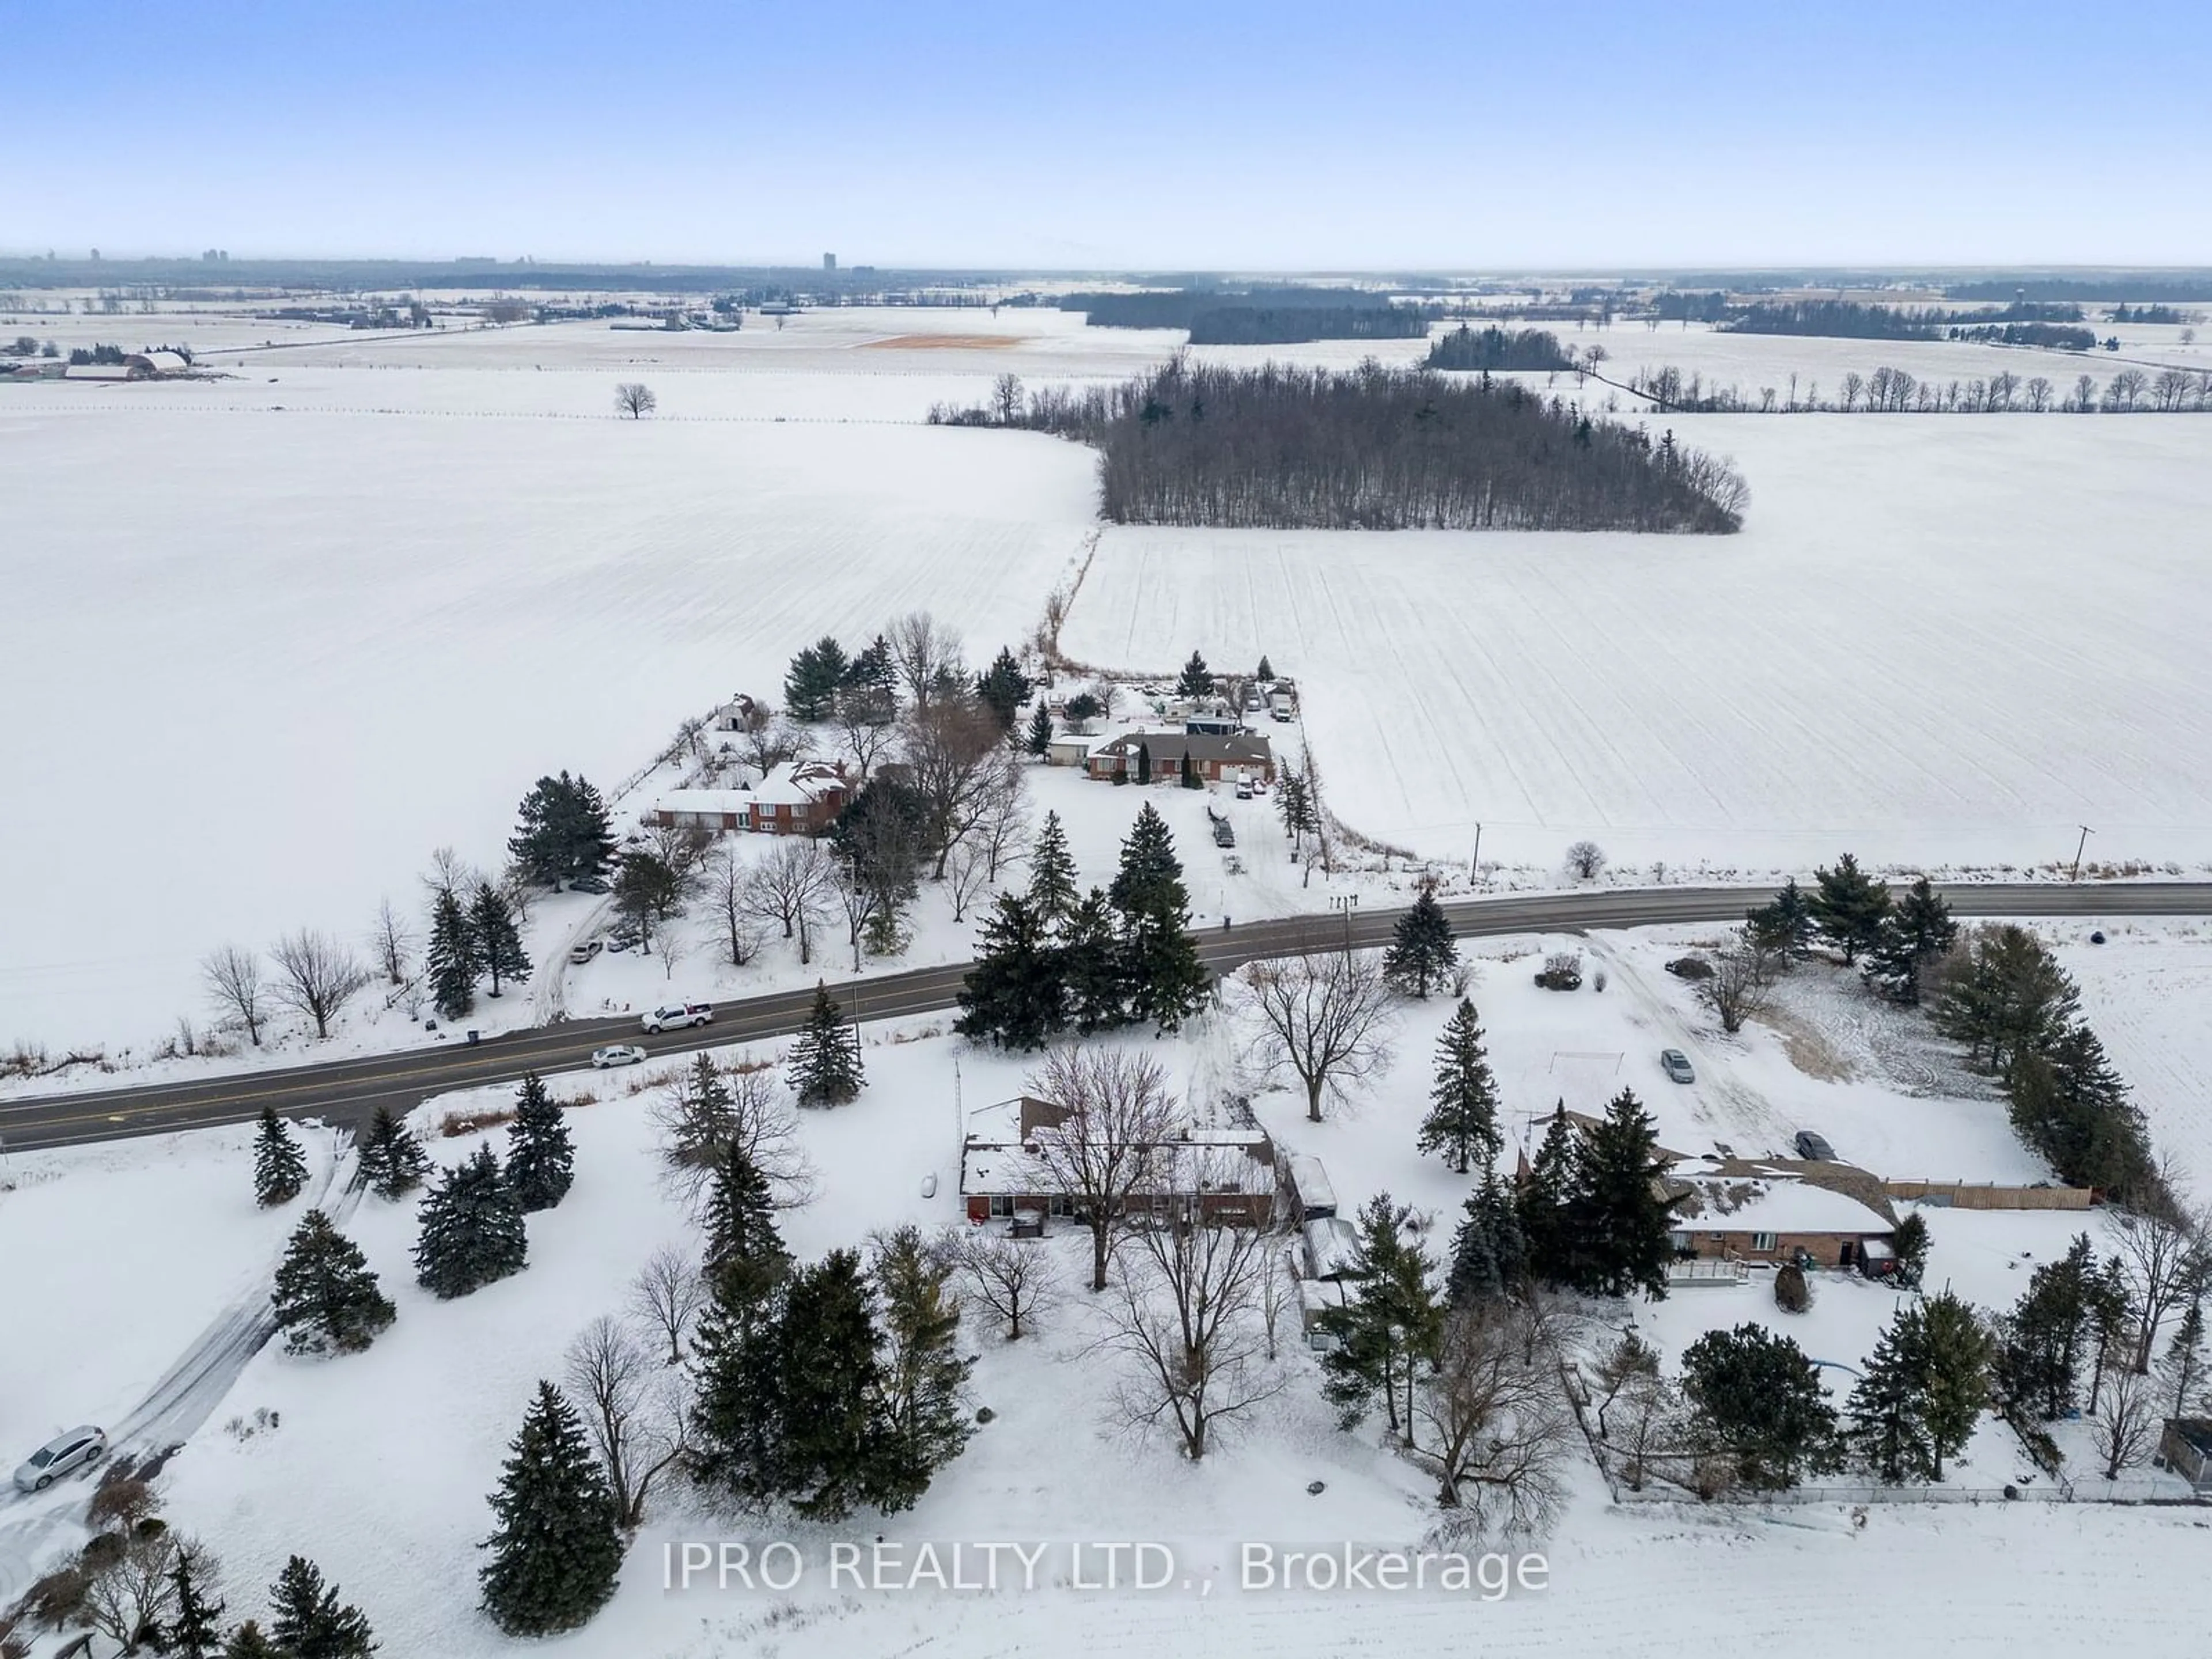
[(1771, 1204)]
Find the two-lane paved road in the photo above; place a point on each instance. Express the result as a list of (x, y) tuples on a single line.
[(350, 1090)]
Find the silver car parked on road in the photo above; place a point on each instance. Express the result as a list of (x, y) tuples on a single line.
[(60, 1455)]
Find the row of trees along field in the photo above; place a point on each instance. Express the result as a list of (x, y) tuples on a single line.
[(1283, 447), (1897, 392)]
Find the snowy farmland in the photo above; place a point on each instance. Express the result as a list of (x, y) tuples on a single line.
[(377, 1465), (1947, 639)]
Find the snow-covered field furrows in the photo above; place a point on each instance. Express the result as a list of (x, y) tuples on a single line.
[(316, 647), (1905, 650)]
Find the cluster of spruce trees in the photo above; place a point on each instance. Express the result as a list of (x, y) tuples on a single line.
[(1590, 1215), (470, 939), (823, 1386), (1282, 447), (1051, 959), (307, 1621), (1894, 942), (2018, 1013)]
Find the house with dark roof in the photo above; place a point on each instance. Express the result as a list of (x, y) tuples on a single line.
[(1213, 757)]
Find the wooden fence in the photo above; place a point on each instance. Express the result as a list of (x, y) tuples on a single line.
[(1987, 1195)]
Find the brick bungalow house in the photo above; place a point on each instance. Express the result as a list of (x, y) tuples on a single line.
[(797, 798), (1769, 1210), (1219, 1175), (1214, 757)]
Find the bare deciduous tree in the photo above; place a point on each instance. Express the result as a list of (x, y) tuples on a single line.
[(1327, 1016), (1015, 1280), (698, 1125), (791, 886), (725, 876), (633, 1414), (1586, 859), (393, 943), (319, 977), (866, 717), (925, 652), (635, 399), (770, 744), (128, 1596), (966, 875), (1742, 979), (1186, 1311), (2124, 1427), (2162, 1259), (1491, 1423), (1279, 1296), (1118, 1112), (1004, 828), (955, 761), (1649, 1427), (451, 874), (668, 1295), (233, 977), (1006, 399)]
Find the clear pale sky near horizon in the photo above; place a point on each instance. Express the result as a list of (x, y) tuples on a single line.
[(1412, 133)]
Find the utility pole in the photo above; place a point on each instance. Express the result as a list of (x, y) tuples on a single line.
[(2085, 833), (1474, 864), (1346, 903)]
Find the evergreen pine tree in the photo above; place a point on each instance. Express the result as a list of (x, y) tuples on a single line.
[(558, 1549), (825, 1057), (1620, 1223), (563, 832), (540, 1158), (1163, 980), (326, 1300), (1091, 954), (1462, 1119), (1494, 1199), (307, 1620), (1390, 1325), (1958, 1349), (1190, 780), (1013, 996), (2012, 1000), (392, 1163), (280, 1168), (1848, 908), (1784, 923), (1294, 805), (742, 1241), (1266, 669), (450, 961), (1916, 932), (1421, 952), (1886, 1419), (247, 1642), (1003, 688), (2183, 1370), (833, 1427), (1759, 1405), (2039, 1363), (589, 834), (1144, 761), (1038, 742), (1474, 1275), (499, 950), (1542, 1205), (1052, 895), (737, 1405), (1197, 679), (1910, 1243), (195, 1630), (925, 1424), (472, 1230), (809, 689)]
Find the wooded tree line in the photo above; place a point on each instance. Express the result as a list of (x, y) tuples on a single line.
[(1854, 319), (1897, 392), (1377, 449), (1498, 349), (1183, 307)]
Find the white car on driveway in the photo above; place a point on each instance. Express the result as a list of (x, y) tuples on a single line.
[(59, 1456), (621, 1053)]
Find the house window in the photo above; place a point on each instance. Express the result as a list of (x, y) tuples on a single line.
[(1762, 1241), (1680, 1240), (1002, 1205)]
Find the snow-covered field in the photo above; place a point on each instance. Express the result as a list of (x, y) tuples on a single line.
[(1945, 639), (376, 1465)]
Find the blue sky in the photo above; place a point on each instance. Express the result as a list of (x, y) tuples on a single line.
[(1390, 133)]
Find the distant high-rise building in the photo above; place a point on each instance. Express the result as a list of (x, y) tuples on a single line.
[(828, 262)]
